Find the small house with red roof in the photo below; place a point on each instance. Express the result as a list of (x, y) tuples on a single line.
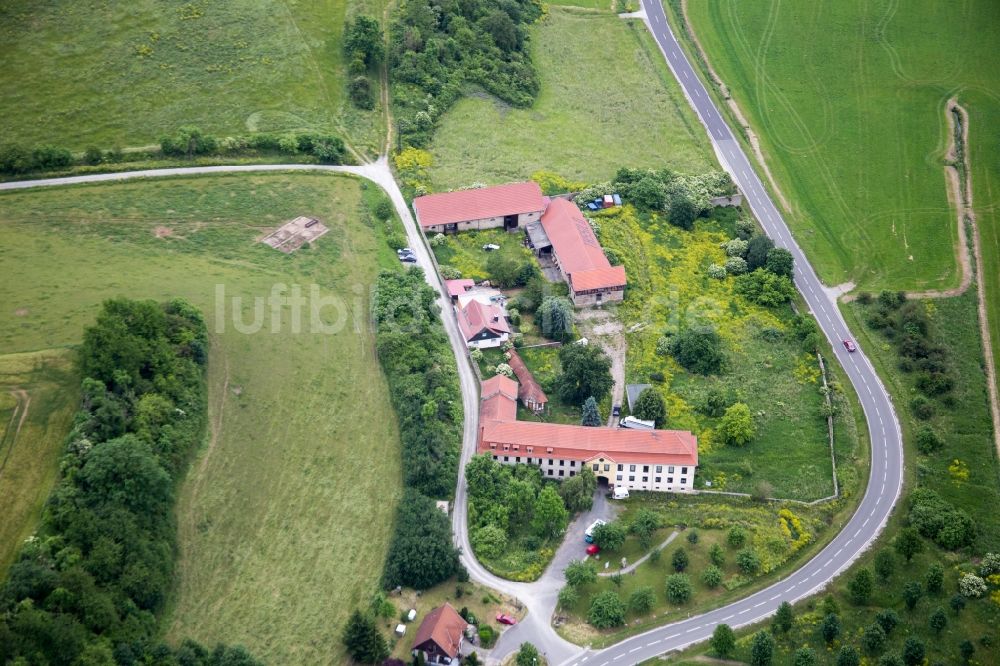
[(509, 206), (458, 287), (482, 325), (529, 391), (440, 636)]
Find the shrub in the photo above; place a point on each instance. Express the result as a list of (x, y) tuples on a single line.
[(723, 641), (764, 288), (972, 586), (934, 579), (736, 247), (187, 142), (829, 628), (698, 349), (757, 250), (989, 565), (678, 588), (737, 427), (957, 603), (692, 537), (848, 656), (651, 407), (913, 651), (937, 620), (555, 318), (780, 262), (716, 555), (363, 36), (606, 611), (93, 155), (586, 371), (642, 599), (486, 634), (921, 407), (680, 560), (735, 266), (568, 596), (711, 576), (804, 656), (50, 157), (736, 536), (888, 619), (912, 592), (489, 541), (580, 573), (715, 271), (610, 536), (873, 639), (748, 561), (938, 520), (861, 586), (761, 649), (885, 564)]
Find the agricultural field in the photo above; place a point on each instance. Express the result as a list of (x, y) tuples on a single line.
[(270, 553), (230, 69), (38, 397), (854, 128), (765, 365), (601, 80)]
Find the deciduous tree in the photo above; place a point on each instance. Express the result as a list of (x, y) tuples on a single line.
[(651, 407), (586, 371)]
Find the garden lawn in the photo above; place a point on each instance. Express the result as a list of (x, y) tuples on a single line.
[(607, 99), (464, 252), (669, 290), (854, 127), (38, 397), (122, 74), (275, 546)]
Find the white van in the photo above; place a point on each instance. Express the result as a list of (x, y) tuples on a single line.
[(588, 536), (620, 493)]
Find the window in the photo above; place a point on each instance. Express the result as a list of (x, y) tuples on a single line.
[(631, 478), (645, 479), (517, 459), (657, 479), (683, 480), (506, 458), (645, 468), (530, 449), (619, 477), (607, 467), (549, 472), (572, 463), (562, 462), (496, 457), (493, 445), (621, 467), (631, 468), (596, 466), (548, 450), (561, 473), (670, 479), (684, 470), (517, 447), (550, 461), (659, 468), (670, 470), (572, 473)]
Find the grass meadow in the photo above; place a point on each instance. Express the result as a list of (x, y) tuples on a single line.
[(607, 99), (38, 397), (285, 515), (122, 74), (854, 127)]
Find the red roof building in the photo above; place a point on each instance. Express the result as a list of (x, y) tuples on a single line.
[(440, 636), (458, 287), (591, 278), (529, 391), (482, 325), (509, 206), (658, 460)]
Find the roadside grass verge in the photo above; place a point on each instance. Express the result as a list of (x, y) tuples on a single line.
[(38, 397), (607, 99), (275, 545), (258, 66), (766, 367)]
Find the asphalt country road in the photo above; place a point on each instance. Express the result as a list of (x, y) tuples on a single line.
[(885, 479)]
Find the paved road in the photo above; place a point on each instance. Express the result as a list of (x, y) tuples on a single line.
[(885, 481)]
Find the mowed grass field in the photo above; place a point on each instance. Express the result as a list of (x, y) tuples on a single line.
[(38, 396), (607, 100), (854, 127), (285, 515), (123, 74)]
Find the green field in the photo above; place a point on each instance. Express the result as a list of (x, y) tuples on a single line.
[(285, 515), (607, 99), (38, 396), (122, 74)]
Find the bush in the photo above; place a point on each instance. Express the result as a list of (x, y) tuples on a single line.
[(606, 611), (715, 271), (737, 427), (885, 564), (568, 596), (716, 556), (580, 573), (421, 553), (784, 618), (804, 656), (748, 561), (939, 521), (861, 586), (678, 588), (928, 441), (723, 641), (712, 576), (761, 649), (586, 371), (780, 262), (680, 560), (360, 91), (888, 619), (555, 318), (698, 349), (651, 407), (610, 536), (642, 599), (972, 586), (921, 407), (50, 157), (92, 155), (188, 142), (934, 578), (829, 628), (736, 536), (764, 288), (873, 639), (912, 592), (735, 266)]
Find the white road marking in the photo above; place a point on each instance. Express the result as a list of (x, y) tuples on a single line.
[(635, 649), (692, 629), (728, 617)]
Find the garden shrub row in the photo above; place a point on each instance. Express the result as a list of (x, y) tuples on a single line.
[(436, 49), (423, 381), (88, 587)]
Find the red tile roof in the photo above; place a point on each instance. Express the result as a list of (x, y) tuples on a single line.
[(499, 399), (465, 205), (475, 317), (599, 278), (458, 287), (668, 447), (528, 390), (577, 248), (443, 626)]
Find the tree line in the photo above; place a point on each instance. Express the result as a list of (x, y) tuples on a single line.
[(89, 586)]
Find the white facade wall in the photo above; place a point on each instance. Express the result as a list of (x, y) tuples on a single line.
[(633, 476), (486, 223), (486, 343)]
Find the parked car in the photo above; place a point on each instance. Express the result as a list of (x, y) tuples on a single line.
[(850, 346), (593, 549), (503, 618), (588, 536), (489, 247), (408, 258), (404, 250)]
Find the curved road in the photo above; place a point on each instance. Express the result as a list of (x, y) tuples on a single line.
[(884, 483)]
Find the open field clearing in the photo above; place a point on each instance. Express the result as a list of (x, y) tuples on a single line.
[(285, 515), (38, 396), (607, 99), (122, 74)]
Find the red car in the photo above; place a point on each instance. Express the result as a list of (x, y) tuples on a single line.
[(503, 618), (593, 549), (850, 346)]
